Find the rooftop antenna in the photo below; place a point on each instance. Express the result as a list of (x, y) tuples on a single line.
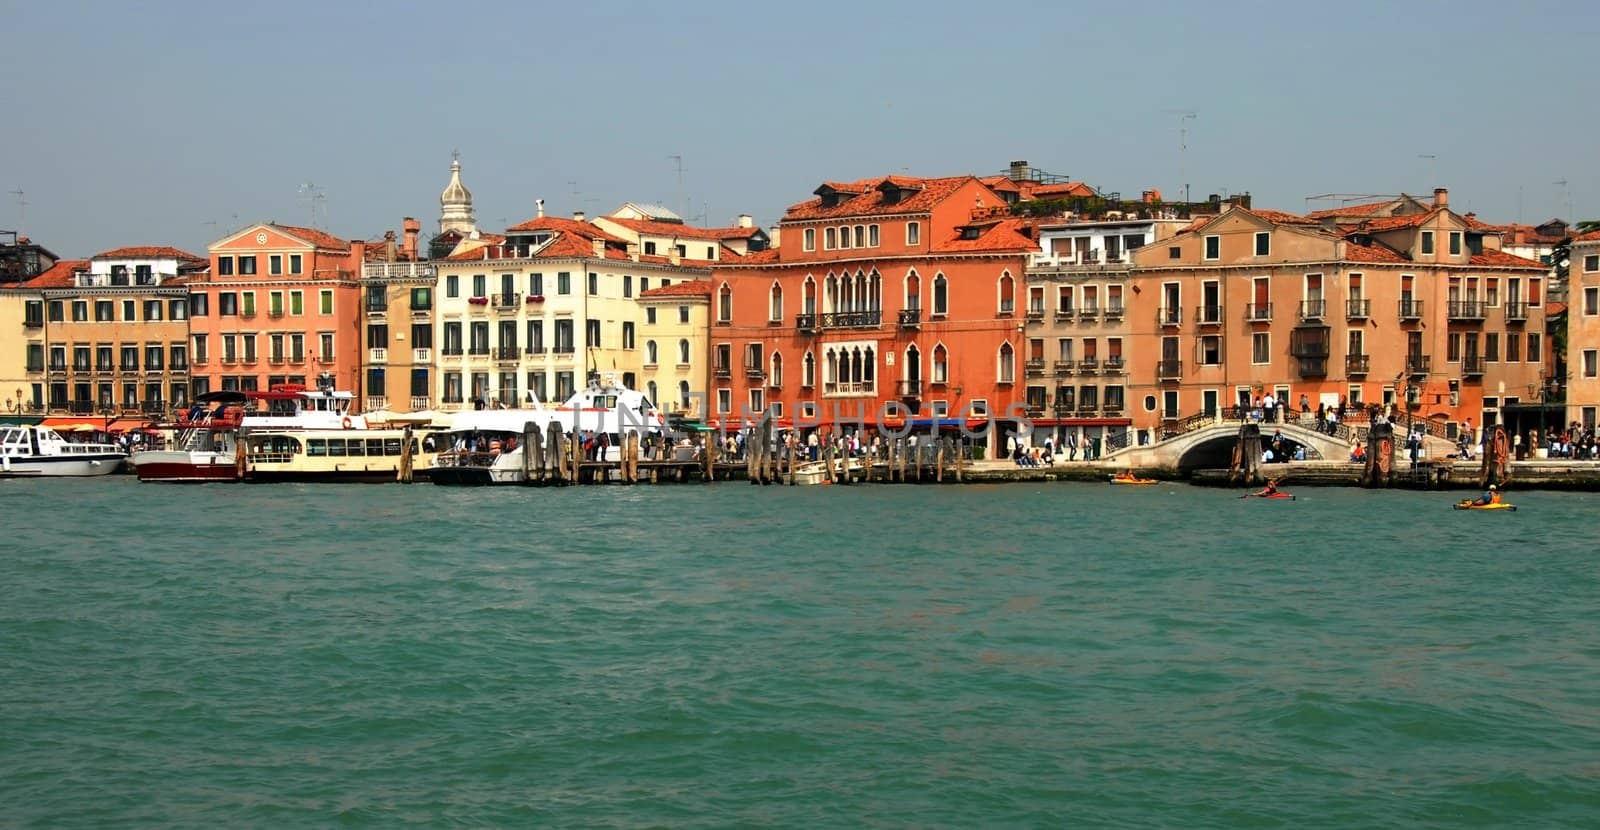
[(1184, 117), (1567, 188), (313, 194), (1433, 168), (677, 160), (22, 209)]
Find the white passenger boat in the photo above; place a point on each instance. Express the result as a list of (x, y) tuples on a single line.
[(486, 445), (31, 451), (202, 444)]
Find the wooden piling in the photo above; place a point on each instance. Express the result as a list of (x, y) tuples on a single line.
[(938, 462), (827, 459), (792, 448), (403, 475), (961, 456)]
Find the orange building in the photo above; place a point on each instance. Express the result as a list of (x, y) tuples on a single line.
[(281, 304), (1418, 308), (879, 291)]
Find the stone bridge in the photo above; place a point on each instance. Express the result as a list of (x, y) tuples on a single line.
[(1207, 443)]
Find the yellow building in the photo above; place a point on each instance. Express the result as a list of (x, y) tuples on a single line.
[(397, 296), (675, 320), (1583, 330), (534, 314), (22, 350), (115, 333)]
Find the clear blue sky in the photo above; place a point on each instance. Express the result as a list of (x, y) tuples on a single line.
[(143, 124)]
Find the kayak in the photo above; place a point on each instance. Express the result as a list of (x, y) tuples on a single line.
[(1289, 496), (1136, 482), (1468, 505)]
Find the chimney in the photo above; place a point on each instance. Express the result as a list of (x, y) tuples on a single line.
[(1441, 197), (388, 246), (1472, 215), (633, 251), (539, 203), (673, 256), (772, 236), (746, 220), (577, 216), (412, 228), (599, 247), (1019, 170), (1151, 196)]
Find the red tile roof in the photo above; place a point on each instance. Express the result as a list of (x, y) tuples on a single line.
[(1587, 237), (1501, 259), (1056, 191), (1366, 209), (1389, 223), (315, 237), (864, 198), (559, 224), (691, 288), (1005, 235), (652, 227), (59, 275), (1001, 184), (1370, 253), (147, 252), (1280, 217)]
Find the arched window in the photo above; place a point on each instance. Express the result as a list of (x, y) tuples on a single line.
[(683, 351), (776, 312), (941, 295), (869, 374), (830, 370), (808, 296), (808, 371), (1008, 293), (913, 290), (650, 353), (941, 364), (830, 293), (683, 395), (725, 304), (775, 376), (651, 386), (1007, 370)]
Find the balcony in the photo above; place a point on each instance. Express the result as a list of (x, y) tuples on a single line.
[(1089, 260), (1418, 364), (420, 402), (1313, 366), (1036, 312), (422, 355), (1034, 367), (1169, 370), (855, 387), (564, 349), (373, 403), (507, 354), (377, 354), (1516, 312), (1472, 365), (535, 350), (1357, 309), (1113, 312), (1111, 408), (722, 371), (1258, 313), (1089, 365), (505, 302), (421, 312), (851, 319), (1169, 316), (909, 388), (806, 322), (1356, 364), (1114, 364), (450, 351), (1065, 314), (1208, 315), (376, 308), (910, 318), (478, 351), (1088, 313), (1313, 309), (1464, 310), (1064, 367), (754, 372), (1087, 407), (128, 369), (1410, 309), (1064, 407)]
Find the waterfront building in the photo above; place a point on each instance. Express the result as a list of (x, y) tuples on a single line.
[(23, 382), (22, 259), (280, 304), (660, 232), (532, 315), (1079, 334), (674, 321), (1419, 309), (109, 336), (397, 295), (885, 290), (1583, 330)]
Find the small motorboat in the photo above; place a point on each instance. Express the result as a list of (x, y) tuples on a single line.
[(1470, 504), (1135, 482)]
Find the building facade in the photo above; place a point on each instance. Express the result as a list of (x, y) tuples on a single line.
[(1583, 330), (673, 321), (115, 333), (397, 306), (1420, 310), (531, 318), (280, 304), (888, 291)]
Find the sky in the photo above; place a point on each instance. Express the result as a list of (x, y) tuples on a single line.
[(175, 122)]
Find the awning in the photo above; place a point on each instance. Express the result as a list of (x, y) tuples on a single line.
[(1082, 422), (66, 424), (126, 424), (21, 420)]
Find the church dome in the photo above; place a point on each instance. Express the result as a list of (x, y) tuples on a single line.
[(455, 203)]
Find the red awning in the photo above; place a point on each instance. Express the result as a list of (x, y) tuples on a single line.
[(59, 424), (126, 424)]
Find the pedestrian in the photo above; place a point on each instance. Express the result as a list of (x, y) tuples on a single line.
[(1269, 406), (1305, 404)]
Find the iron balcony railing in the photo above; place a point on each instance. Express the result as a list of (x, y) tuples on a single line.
[(1089, 365), (1208, 315), (851, 319), (1516, 310), (1034, 366), (1169, 369), (1114, 364), (1064, 367), (506, 352), (805, 322), (1472, 365), (1258, 313), (1113, 312), (1356, 364), (1465, 310), (1418, 364), (1169, 316), (910, 317), (1410, 309), (1357, 309), (909, 388), (1313, 309)]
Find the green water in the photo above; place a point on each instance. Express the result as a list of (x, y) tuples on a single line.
[(725, 655)]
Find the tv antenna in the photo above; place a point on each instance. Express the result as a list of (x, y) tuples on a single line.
[(677, 160), (1433, 168), (313, 194), (1567, 191), (22, 209), (1184, 117)]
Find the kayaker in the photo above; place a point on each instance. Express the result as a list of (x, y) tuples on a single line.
[(1490, 496), (1125, 476), (1270, 490)]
